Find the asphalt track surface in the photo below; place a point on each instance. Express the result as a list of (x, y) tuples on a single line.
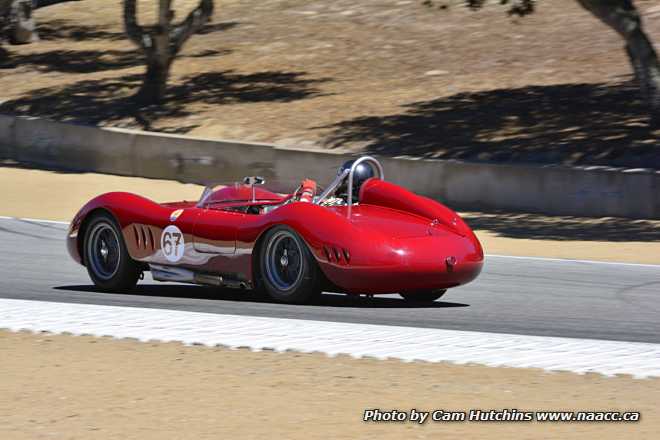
[(526, 296)]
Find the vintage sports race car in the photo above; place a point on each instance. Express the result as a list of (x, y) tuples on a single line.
[(361, 235)]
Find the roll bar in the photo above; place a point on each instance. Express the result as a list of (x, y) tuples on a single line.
[(349, 174), (332, 187), (381, 176)]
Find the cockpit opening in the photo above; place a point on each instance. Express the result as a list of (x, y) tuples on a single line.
[(252, 197)]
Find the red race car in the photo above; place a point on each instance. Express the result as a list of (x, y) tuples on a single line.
[(361, 235)]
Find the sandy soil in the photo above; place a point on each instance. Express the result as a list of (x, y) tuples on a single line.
[(58, 195), (67, 387), (622, 252), (390, 77), (53, 195)]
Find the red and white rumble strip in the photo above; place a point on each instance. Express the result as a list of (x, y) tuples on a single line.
[(406, 343)]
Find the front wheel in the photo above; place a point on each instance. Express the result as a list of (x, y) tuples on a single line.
[(106, 257), (288, 271), (423, 296)]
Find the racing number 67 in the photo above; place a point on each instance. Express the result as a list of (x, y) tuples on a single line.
[(168, 247)]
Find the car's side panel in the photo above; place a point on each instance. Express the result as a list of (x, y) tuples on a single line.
[(215, 231), (339, 246), (144, 222), (362, 259)]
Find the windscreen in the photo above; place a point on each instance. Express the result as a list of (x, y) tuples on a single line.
[(234, 192)]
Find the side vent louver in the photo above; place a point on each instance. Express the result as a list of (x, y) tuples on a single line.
[(137, 237), (337, 255), (144, 237)]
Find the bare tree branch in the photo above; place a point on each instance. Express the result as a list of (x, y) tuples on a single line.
[(192, 24), (134, 31), (162, 42)]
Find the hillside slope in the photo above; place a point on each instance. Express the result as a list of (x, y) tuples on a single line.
[(388, 77)]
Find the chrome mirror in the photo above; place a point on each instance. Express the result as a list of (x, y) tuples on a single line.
[(252, 181)]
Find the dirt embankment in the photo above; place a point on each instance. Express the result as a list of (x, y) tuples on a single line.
[(387, 77)]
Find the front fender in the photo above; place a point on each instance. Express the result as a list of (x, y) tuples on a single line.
[(122, 206)]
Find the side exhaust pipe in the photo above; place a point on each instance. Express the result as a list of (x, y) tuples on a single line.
[(181, 275)]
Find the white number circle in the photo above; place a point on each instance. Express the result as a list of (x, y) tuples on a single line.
[(172, 243)]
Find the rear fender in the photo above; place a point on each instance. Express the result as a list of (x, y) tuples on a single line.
[(382, 193), (330, 236)]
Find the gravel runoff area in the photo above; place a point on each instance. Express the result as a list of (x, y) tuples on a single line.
[(82, 387), (57, 195)]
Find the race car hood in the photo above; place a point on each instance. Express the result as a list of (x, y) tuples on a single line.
[(394, 223)]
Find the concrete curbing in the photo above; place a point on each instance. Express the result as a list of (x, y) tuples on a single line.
[(639, 359), (6, 136), (558, 190)]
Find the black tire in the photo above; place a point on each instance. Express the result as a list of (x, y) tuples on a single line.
[(426, 296), (107, 260), (287, 270)]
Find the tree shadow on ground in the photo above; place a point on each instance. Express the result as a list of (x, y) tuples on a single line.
[(77, 61), (228, 86), (599, 124), (542, 227), (109, 100), (50, 30), (87, 102), (58, 29), (207, 53), (87, 61), (5, 59), (218, 27)]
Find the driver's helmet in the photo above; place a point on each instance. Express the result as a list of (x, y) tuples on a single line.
[(363, 172)]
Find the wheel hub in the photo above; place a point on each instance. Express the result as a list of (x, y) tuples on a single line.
[(284, 261), (104, 250), (283, 265)]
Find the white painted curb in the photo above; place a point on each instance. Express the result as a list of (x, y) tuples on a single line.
[(641, 360)]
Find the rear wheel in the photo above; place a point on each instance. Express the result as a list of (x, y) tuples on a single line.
[(288, 271), (106, 257), (423, 296)]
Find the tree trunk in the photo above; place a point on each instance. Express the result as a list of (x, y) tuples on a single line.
[(622, 16), (21, 29), (154, 85), (162, 43), (159, 58)]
